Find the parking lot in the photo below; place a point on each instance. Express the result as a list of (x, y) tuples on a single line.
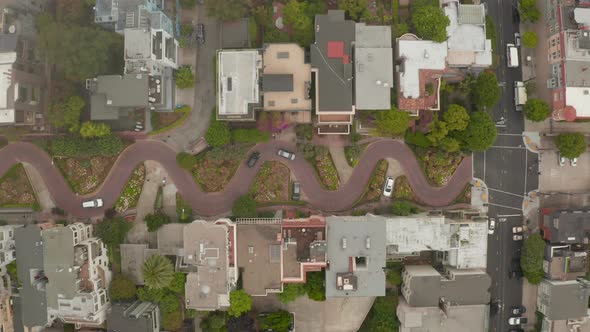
[(567, 178)]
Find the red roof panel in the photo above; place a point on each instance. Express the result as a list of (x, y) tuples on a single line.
[(335, 49)]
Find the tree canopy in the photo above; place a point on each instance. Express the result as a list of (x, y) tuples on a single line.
[(531, 260), (571, 145), (185, 78), (430, 22), (536, 110), (66, 115), (278, 321), (485, 91), (240, 302), (227, 10), (156, 220), (158, 272), (186, 160), (355, 9), (244, 207), (91, 129), (528, 10), (214, 322), (122, 288), (172, 321), (392, 122), (299, 15), (438, 131), (403, 208), (529, 39), (218, 133), (112, 232), (456, 117), (291, 292), (178, 282), (480, 133), (314, 285)]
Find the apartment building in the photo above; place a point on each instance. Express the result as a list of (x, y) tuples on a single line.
[(564, 303)]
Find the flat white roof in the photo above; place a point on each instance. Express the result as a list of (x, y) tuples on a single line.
[(238, 75), (467, 41), (7, 60), (579, 98), (417, 55), (582, 15)]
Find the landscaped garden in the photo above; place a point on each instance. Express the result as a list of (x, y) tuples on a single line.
[(183, 209), (132, 190), (353, 153), (438, 166), (375, 186), (403, 191), (271, 184), (16, 190), (214, 168), (321, 159), (85, 174), (164, 121)]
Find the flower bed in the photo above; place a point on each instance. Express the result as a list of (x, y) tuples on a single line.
[(375, 185), (85, 174), (327, 171), (353, 153), (403, 191), (16, 190), (215, 167), (438, 166), (132, 190), (271, 184)]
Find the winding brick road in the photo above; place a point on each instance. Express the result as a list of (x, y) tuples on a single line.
[(220, 202)]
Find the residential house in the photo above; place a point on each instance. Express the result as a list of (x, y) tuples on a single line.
[(286, 81), (238, 84), (78, 276), (467, 43), (304, 248), (560, 301), (568, 53), (22, 73), (137, 317), (564, 226), (356, 257), (7, 256), (565, 262), (420, 68), (331, 61), (115, 97)]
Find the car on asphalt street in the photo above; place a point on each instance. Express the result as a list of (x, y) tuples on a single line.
[(296, 191), (492, 226), (561, 160), (517, 237), (515, 274), (517, 229), (517, 310), (517, 320), (286, 154), (388, 188), (200, 33), (574, 162), (253, 159), (94, 203), (517, 39)]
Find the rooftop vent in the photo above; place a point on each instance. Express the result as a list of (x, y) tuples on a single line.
[(343, 243)]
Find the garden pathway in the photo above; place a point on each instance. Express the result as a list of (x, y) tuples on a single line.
[(220, 202), (342, 166), (39, 187)]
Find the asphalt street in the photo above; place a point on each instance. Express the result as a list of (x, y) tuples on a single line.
[(509, 170)]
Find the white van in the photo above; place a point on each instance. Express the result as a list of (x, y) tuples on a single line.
[(95, 203), (520, 96), (512, 55)]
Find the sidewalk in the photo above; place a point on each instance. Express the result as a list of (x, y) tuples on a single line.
[(39, 187), (342, 166)]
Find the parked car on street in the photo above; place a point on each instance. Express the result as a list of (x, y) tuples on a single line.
[(388, 188), (517, 310), (517, 229), (286, 154), (517, 39), (517, 320), (517, 237), (95, 203), (574, 162), (492, 226), (515, 274), (296, 191), (561, 159), (200, 33), (253, 159)]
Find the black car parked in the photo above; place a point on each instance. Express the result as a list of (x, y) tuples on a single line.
[(200, 33), (253, 159)]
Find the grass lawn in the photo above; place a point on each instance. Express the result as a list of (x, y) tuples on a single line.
[(183, 209), (215, 167), (132, 190), (376, 182), (438, 166), (16, 190), (271, 184), (85, 174), (382, 316), (164, 121)]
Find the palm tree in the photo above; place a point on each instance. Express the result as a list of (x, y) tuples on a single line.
[(158, 272)]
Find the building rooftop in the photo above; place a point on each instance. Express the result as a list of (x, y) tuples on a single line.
[(373, 58), (171, 239), (467, 42), (331, 56), (58, 244), (559, 300), (7, 88), (205, 246), (110, 94), (138, 43), (415, 56), (132, 258), (136, 317), (238, 84), (286, 78), (356, 256), (259, 249), (566, 226), (565, 262)]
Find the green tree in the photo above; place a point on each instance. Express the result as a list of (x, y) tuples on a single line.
[(169, 302), (227, 10), (112, 232), (536, 110), (158, 272), (294, 14), (291, 292), (438, 131), (314, 285), (73, 12), (177, 283), (480, 133), (240, 302), (94, 129), (531, 260), (156, 220), (450, 144), (150, 295), (392, 122), (185, 78), (244, 207), (218, 134), (172, 321), (122, 288), (571, 145), (186, 160), (66, 115), (403, 208), (355, 9), (431, 23), (456, 117), (278, 321), (529, 39), (214, 322), (485, 92), (528, 11)]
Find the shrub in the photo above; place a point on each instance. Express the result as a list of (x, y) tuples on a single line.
[(529, 39), (185, 78), (304, 131), (392, 122), (239, 302), (218, 134), (122, 288), (177, 283), (186, 160), (172, 321), (113, 231), (314, 286), (291, 292), (536, 110), (278, 321), (249, 136), (418, 139), (71, 146), (91, 129), (531, 260), (156, 220), (403, 208), (245, 207)]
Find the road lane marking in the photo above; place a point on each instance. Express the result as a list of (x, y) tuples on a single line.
[(505, 206), (507, 147), (510, 135), (505, 192), (509, 215), (526, 167)]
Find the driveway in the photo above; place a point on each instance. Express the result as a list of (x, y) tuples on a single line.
[(221, 202)]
